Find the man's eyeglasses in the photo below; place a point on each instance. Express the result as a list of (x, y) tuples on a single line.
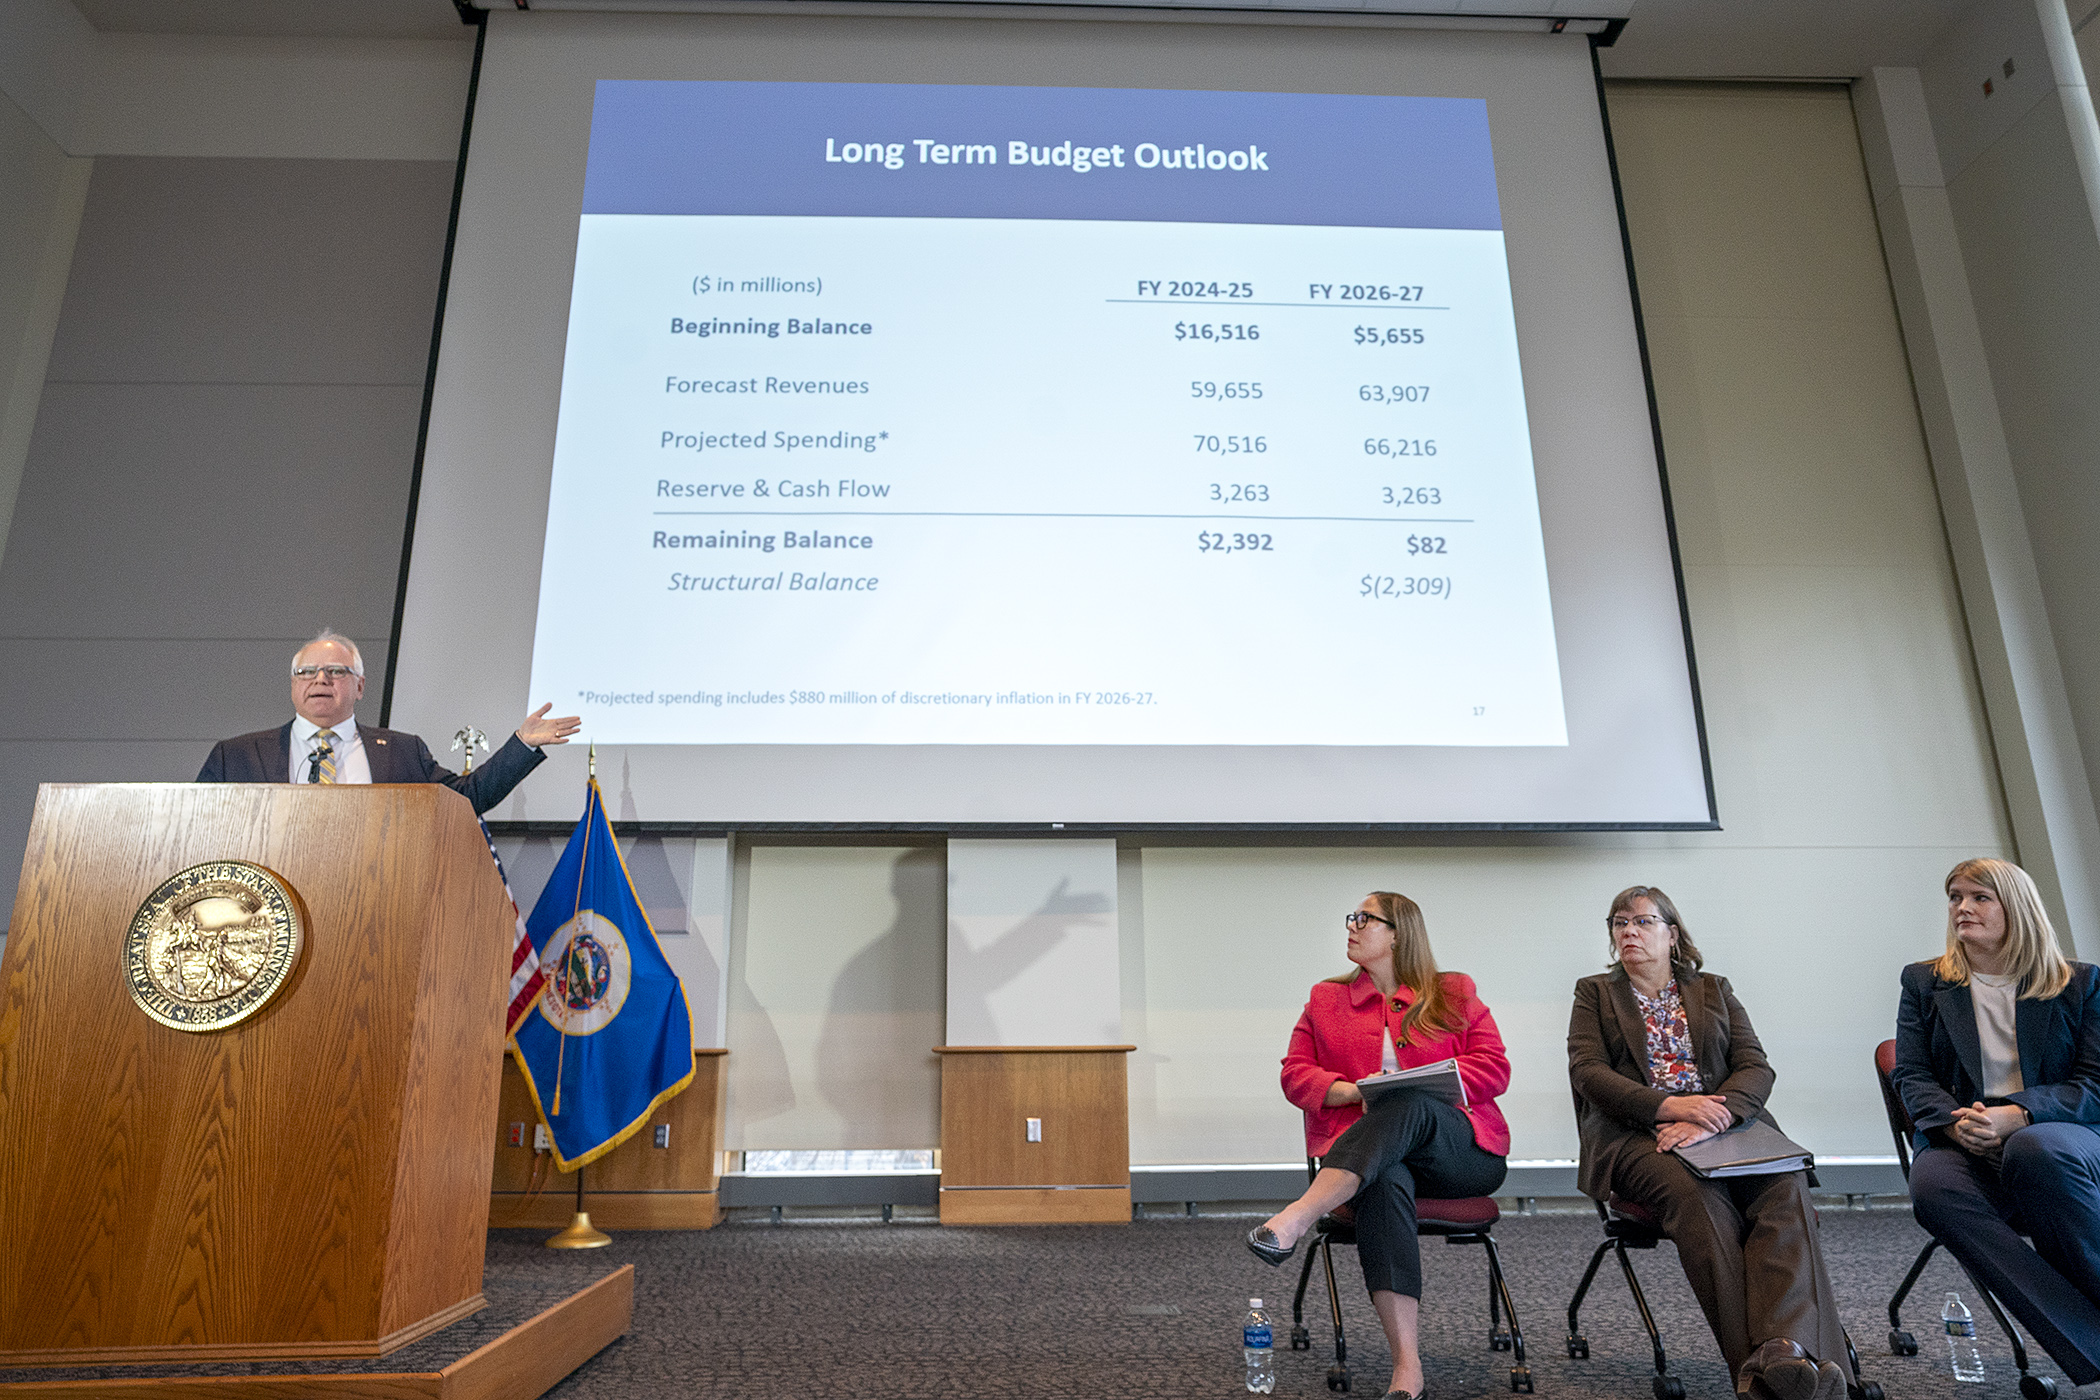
[(1358, 918), (334, 673), (1621, 922)]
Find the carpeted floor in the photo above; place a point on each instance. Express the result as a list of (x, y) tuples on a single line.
[(864, 1310)]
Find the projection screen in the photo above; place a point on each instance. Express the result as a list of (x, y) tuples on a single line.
[(1012, 421)]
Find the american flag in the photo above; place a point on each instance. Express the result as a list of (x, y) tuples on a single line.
[(525, 975)]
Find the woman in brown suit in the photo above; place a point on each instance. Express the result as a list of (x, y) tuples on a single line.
[(1662, 1055)]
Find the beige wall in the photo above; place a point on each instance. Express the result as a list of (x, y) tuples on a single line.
[(2030, 243), (1848, 744), (2088, 39)]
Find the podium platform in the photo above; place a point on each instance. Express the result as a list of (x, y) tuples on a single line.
[(532, 1334)]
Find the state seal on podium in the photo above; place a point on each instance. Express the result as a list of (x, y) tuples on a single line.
[(213, 945)]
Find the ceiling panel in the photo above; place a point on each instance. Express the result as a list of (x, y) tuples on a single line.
[(1776, 38), (365, 19), (1663, 38)]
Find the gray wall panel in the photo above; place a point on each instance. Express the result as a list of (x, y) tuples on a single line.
[(196, 691), (255, 271), (2034, 264), (220, 463), (207, 510)]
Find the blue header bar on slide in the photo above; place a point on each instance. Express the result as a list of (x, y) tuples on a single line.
[(914, 151)]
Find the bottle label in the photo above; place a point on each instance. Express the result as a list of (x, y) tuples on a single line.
[(1961, 1329), (1258, 1338)]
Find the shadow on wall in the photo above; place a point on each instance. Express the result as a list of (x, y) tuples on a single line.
[(976, 973), (763, 1087), (884, 1015)]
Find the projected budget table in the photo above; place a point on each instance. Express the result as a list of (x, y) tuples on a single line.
[(912, 461)]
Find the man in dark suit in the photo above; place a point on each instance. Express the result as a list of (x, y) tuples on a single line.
[(324, 744)]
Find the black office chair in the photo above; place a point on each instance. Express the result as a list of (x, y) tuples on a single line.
[(1901, 1342), (1470, 1220), (1627, 1225), (1631, 1225)]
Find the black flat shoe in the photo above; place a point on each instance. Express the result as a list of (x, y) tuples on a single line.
[(1262, 1241), (1423, 1394)]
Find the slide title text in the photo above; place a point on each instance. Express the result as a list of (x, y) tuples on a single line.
[(1146, 155)]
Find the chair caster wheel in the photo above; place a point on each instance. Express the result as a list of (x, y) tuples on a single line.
[(1866, 1390), (1520, 1379), (1668, 1388), (1578, 1348), (1498, 1341), (1301, 1339), (2033, 1387), (1902, 1343), (1338, 1378)]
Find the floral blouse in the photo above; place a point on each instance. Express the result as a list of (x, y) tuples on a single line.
[(1671, 1064)]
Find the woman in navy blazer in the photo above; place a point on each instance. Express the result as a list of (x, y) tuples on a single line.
[(1998, 1064)]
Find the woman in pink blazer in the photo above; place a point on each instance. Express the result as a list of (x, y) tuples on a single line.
[(1394, 1012)]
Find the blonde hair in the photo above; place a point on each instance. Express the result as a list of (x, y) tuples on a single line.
[(1414, 967), (2030, 939)]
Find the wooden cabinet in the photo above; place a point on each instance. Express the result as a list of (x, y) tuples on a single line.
[(1078, 1169), (636, 1186)]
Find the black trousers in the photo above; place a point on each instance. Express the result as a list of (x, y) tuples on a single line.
[(1408, 1145), (2047, 1186)]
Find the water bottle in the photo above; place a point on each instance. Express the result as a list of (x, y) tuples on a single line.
[(1961, 1341), (1259, 1342)]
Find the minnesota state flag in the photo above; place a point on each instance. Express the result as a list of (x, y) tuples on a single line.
[(609, 1038)]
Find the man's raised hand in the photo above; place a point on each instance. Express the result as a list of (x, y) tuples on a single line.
[(538, 730)]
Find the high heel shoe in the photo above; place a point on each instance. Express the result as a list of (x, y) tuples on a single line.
[(1262, 1241)]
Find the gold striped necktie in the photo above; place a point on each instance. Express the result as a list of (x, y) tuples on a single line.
[(326, 753)]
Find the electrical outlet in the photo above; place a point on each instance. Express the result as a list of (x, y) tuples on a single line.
[(517, 1135), (1035, 1130), (663, 1135), (541, 1142)]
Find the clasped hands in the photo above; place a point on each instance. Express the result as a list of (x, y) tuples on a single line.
[(1690, 1118), (1983, 1131)]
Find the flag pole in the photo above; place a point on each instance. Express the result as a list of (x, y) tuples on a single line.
[(580, 1234)]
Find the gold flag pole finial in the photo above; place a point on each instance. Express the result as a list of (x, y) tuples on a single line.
[(594, 760)]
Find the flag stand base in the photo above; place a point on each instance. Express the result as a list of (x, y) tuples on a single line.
[(580, 1235)]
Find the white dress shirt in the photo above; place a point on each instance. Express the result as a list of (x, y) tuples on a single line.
[(351, 765)]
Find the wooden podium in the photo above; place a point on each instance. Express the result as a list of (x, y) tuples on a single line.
[(310, 1182)]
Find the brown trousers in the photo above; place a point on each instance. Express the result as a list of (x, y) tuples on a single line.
[(1750, 1250)]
